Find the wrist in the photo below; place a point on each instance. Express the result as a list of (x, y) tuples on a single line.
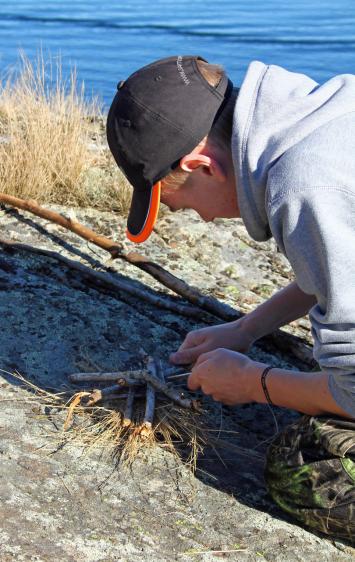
[(250, 325), (302, 391), (254, 372), (248, 328)]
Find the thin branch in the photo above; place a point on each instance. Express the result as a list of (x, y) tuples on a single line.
[(99, 394), (32, 206), (176, 370), (102, 377), (279, 339), (128, 411), (179, 376), (104, 280), (169, 280), (170, 392), (149, 400)]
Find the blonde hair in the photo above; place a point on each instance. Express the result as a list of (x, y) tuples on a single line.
[(220, 133)]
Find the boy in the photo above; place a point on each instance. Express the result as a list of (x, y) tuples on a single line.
[(280, 153)]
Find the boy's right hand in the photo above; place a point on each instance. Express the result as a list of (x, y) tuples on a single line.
[(229, 336)]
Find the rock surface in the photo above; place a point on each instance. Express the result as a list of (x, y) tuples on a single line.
[(67, 504)]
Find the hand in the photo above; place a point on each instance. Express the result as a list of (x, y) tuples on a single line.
[(229, 336), (228, 376)]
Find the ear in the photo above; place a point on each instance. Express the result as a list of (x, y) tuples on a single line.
[(209, 165)]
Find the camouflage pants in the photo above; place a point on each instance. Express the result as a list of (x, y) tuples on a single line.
[(310, 473)]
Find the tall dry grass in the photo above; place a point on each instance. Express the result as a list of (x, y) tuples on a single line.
[(52, 142)]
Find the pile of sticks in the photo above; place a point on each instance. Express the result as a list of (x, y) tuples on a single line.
[(131, 385)]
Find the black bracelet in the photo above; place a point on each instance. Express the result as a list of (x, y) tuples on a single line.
[(263, 384)]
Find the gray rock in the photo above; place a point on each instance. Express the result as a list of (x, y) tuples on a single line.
[(67, 504)]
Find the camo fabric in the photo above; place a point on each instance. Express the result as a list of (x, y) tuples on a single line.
[(310, 473)]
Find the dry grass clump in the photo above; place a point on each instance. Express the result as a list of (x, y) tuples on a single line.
[(177, 430), (183, 432), (52, 141)]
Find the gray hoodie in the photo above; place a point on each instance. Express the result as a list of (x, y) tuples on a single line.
[(293, 147)]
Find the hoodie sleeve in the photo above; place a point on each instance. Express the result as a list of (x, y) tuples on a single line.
[(315, 229)]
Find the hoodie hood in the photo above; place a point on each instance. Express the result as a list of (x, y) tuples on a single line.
[(275, 110)]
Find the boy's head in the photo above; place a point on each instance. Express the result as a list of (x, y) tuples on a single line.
[(169, 129)]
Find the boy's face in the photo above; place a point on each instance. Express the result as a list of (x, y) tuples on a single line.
[(210, 188)]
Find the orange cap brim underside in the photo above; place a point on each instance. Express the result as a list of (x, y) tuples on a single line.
[(151, 217)]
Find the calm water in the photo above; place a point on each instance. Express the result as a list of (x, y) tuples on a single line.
[(107, 40)]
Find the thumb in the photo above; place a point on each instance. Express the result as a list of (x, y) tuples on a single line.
[(193, 382)]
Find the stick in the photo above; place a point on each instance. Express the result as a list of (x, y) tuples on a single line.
[(32, 206), (171, 393), (101, 280), (116, 251), (279, 339), (160, 373), (123, 378), (104, 377), (176, 370), (217, 552), (99, 394), (128, 411), (116, 396), (147, 425), (180, 376)]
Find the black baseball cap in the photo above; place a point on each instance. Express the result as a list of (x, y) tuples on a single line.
[(159, 114)]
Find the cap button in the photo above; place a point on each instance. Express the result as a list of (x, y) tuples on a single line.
[(124, 122)]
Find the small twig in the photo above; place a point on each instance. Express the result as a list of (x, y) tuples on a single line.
[(121, 396), (147, 425), (179, 376), (99, 394), (221, 552), (171, 393), (176, 370), (150, 400), (128, 411), (104, 377)]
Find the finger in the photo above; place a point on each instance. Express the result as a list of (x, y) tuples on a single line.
[(193, 382), (182, 357), (203, 357), (191, 340)]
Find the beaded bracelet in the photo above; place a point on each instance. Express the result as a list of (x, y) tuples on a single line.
[(263, 384)]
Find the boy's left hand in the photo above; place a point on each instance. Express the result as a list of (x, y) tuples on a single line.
[(227, 376)]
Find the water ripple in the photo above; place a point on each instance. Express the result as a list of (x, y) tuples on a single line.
[(181, 30)]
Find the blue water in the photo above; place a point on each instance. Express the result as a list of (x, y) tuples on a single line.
[(107, 40)]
